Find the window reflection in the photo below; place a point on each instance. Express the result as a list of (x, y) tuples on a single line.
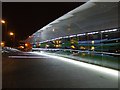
[(101, 47)]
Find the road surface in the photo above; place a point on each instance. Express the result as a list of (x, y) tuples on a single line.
[(31, 70)]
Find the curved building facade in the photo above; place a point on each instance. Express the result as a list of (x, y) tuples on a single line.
[(88, 33)]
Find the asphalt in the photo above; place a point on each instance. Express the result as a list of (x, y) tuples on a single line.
[(31, 70)]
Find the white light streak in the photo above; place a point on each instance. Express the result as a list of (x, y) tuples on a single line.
[(80, 34), (85, 65), (72, 36), (92, 33), (58, 38), (113, 30), (53, 39), (66, 37)]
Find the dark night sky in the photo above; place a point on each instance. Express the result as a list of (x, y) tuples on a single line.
[(26, 18)]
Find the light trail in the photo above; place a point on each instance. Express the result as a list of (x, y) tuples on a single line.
[(25, 57), (83, 64)]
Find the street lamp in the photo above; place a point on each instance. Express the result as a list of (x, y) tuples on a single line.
[(11, 33), (26, 44), (2, 21), (2, 44), (12, 37), (5, 25)]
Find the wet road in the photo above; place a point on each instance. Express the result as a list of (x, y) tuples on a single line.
[(30, 70)]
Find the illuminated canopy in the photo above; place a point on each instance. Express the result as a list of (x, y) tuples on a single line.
[(89, 17)]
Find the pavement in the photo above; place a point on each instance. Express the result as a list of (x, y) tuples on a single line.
[(31, 70)]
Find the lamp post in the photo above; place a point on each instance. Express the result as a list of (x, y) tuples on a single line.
[(12, 37), (5, 24)]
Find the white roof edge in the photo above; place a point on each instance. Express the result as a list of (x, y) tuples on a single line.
[(87, 5), (65, 16)]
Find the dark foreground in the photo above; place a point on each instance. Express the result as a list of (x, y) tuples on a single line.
[(38, 71)]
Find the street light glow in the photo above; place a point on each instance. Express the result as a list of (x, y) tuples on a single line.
[(2, 44), (11, 33), (21, 47), (2, 21), (26, 44)]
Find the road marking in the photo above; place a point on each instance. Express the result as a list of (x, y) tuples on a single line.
[(27, 57)]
